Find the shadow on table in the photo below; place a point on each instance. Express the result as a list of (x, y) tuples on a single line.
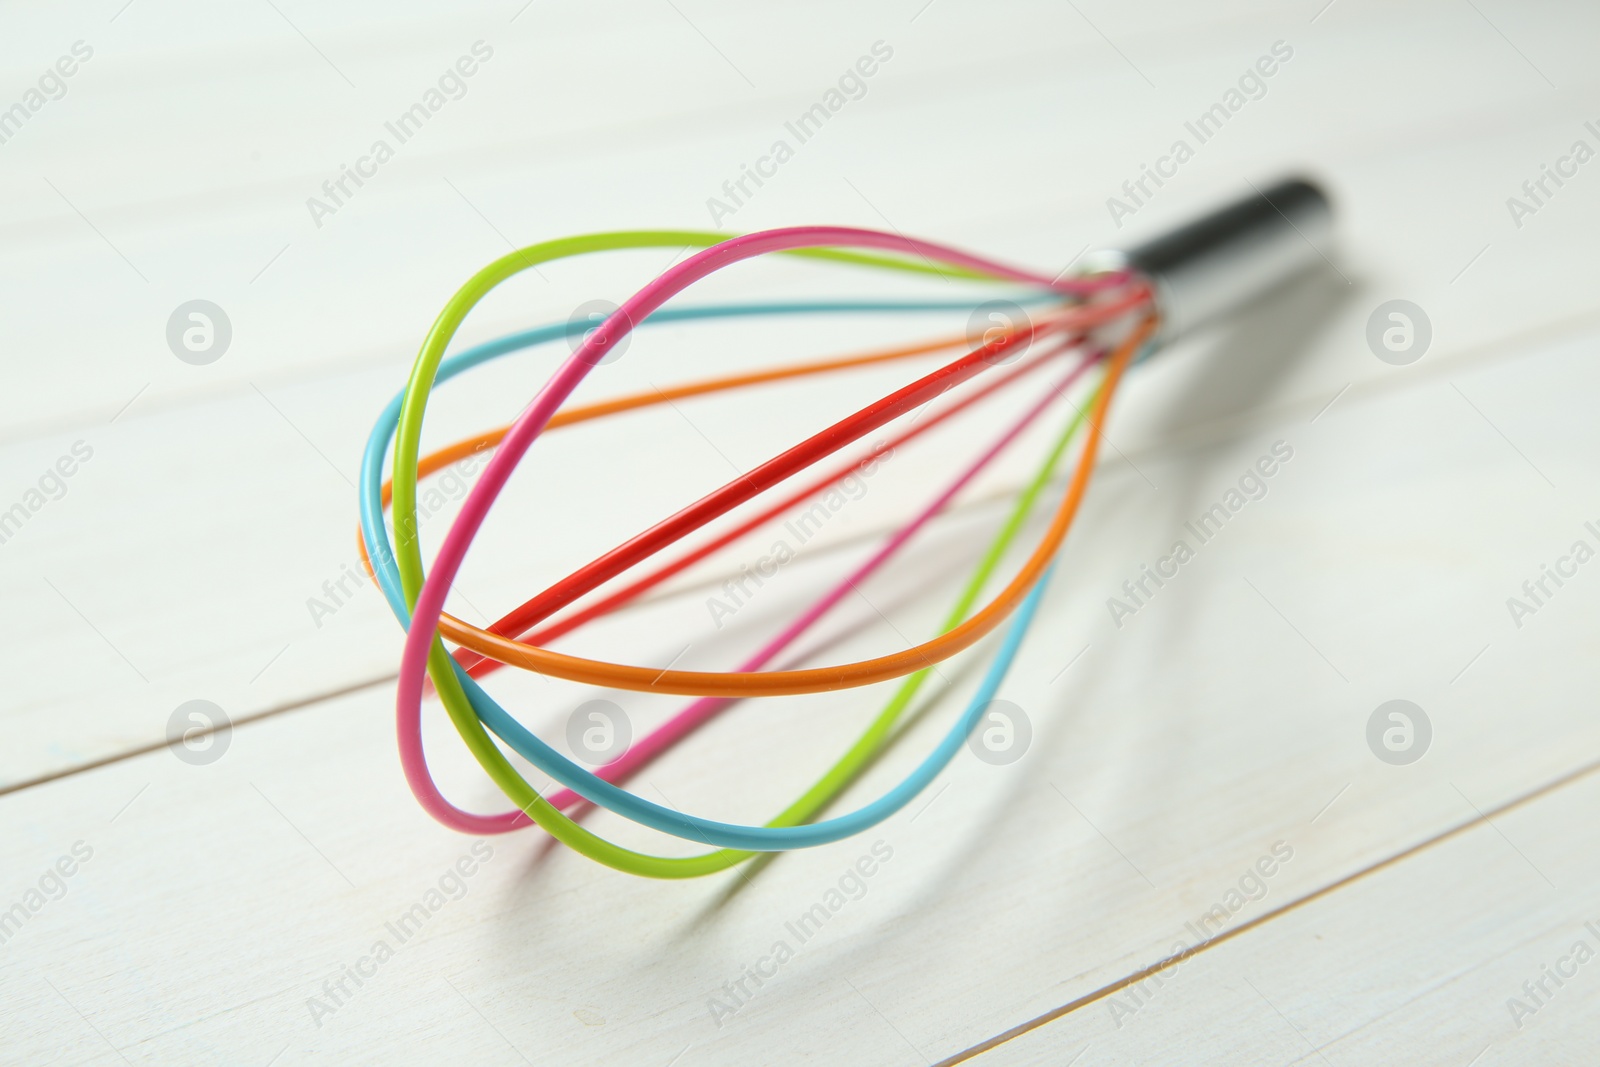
[(1236, 372)]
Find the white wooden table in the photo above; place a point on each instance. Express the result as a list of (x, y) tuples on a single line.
[(1204, 766)]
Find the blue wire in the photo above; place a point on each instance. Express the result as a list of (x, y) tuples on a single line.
[(583, 782)]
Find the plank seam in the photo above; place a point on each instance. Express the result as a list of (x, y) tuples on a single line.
[(156, 746), (1166, 962)]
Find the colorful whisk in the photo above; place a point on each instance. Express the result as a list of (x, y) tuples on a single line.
[(1079, 338)]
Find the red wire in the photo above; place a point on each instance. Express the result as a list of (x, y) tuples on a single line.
[(785, 465), (781, 467), (478, 666)]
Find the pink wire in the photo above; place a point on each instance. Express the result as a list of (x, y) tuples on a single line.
[(532, 422)]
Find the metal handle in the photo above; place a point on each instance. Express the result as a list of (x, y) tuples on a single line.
[(1225, 259)]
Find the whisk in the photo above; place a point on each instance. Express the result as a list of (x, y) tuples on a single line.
[(1086, 328)]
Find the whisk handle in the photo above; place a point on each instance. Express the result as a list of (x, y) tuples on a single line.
[(1225, 259)]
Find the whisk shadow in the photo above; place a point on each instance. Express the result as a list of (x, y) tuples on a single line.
[(1236, 371), (1241, 364)]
